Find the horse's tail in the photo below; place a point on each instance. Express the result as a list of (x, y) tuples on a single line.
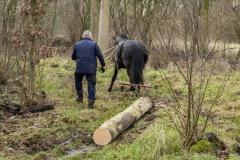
[(137, 65)]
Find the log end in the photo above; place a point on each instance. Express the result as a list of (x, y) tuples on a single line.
[(102, 136)]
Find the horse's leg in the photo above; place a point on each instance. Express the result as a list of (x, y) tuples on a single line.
[(132, 89), (129, 75), (138, 92), (113, 78)]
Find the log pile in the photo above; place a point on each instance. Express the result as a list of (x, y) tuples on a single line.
[(110, 129)]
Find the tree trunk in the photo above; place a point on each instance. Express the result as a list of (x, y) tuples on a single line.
[(54, 17), (110, 129), (32, 58), (3, 79), (5, 17), (95, 19), (205, 10), (104, 25), (12, 14)]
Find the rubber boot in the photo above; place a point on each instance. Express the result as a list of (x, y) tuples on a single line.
[(91, 103), (79, 97)]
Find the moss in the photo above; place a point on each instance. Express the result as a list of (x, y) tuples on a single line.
[(201, 147), (40, 156)]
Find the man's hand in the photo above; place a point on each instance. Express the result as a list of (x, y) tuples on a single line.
[(102, 69)]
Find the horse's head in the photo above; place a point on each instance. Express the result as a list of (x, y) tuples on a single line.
[(120, 38)]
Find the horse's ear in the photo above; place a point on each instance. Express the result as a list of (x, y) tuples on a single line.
[(114, 37)]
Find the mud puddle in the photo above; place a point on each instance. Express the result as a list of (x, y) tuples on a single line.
[(74, 152)]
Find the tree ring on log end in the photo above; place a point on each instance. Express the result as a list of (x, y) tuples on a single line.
[(102, 136)]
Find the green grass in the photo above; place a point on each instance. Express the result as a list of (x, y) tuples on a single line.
[(150, 142), (201, 147), (230, 48), (144, 140)]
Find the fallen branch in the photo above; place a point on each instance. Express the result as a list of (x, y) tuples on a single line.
[(11, 107), (37, 109)]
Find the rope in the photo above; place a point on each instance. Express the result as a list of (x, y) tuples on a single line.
[(109, 49), (110, 54), (115, 47)]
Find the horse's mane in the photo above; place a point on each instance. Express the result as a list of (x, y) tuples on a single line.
[(123, 36)]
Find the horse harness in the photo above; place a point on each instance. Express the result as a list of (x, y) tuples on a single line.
[(136, 86)]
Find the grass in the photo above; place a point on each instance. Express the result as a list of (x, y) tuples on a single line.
[(145, 143), (230, 48), (71, 125)]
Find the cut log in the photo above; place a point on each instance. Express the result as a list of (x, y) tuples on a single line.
[(110, 129)]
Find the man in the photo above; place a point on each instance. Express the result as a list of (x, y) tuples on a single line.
[(85, 53)]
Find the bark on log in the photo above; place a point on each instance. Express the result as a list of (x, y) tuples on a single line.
[(110, 129)]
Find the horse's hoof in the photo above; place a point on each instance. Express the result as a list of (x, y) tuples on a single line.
[(122, 89), (109, 90)]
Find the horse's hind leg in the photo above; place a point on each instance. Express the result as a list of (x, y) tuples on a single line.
[(131, 81), (132, 88), (113, 79)]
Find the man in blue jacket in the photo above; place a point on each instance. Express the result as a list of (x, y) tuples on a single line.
[(85, 53)]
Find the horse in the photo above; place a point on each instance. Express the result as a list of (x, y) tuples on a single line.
[(131, 55)]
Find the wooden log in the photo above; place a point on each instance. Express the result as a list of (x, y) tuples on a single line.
[(110, 129)]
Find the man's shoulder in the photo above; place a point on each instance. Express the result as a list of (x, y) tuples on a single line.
[(89, 41), (84, 41), (79, 42)]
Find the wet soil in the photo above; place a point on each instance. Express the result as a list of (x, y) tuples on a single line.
[(11, 124)]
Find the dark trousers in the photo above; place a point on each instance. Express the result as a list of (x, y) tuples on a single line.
[(91, 80)]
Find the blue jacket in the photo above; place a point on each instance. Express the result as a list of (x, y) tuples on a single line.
[(85, 53)]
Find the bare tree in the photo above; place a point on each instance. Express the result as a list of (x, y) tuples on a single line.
[(103, 35), (189, 101), (32, 43), (205, 10), (7, 24), (95, 9)]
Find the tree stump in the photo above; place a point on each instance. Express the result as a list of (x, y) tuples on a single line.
[(110, 129)]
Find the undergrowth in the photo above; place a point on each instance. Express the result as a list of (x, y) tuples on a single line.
[(71, 124)]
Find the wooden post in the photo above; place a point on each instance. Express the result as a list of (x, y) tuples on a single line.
[(110, 129)]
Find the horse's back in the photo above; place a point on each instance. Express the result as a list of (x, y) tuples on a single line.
[(130, 45), (141, 47)]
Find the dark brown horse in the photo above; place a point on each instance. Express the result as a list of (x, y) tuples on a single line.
[(131, 55)]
